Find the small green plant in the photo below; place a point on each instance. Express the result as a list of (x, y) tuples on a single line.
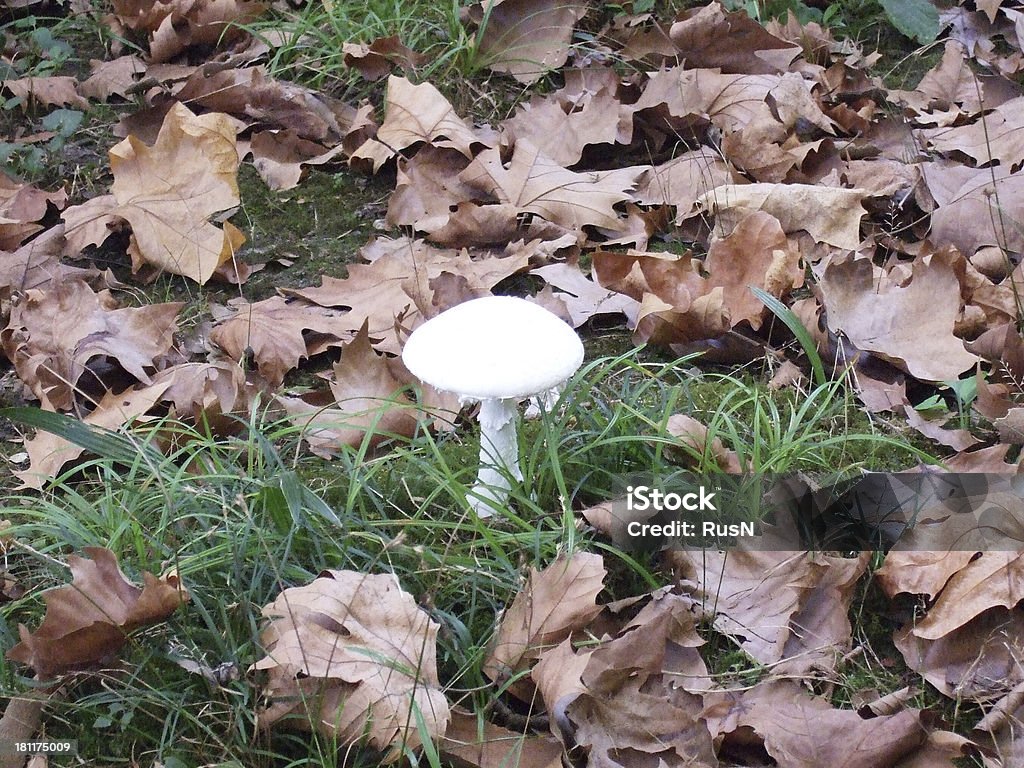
[(39, 54)]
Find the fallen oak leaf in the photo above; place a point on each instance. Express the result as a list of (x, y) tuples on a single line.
[(90, 619), (351, 655)]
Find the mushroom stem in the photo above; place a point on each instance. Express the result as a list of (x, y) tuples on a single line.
[(499, 455)]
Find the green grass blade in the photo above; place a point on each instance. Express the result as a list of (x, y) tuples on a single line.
[(102, 442), (786, 315)]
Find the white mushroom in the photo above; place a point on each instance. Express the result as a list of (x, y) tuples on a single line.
[(496, 350)]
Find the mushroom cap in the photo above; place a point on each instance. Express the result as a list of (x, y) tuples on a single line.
[(494, 347)]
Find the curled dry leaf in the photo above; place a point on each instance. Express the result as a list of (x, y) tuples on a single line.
[(367, 400), (469, 743), (89, 620), (21, 207), (910, 325), (553, 604), (629, 694), (710, 37), (390, 292), (829, 214), (376, 59), (582, 296), (352, 656), (788, 607), (55, 331), (535, 183), (54, 91), (526, 38), (36, 264), (694, 435), (172, 27), (272, 330), (799, 730)]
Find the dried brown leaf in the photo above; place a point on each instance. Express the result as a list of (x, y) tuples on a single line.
[(555, 602), (90, 619), (273, 331), (352, 655), (55, 331), (537, 184), (910, 325), (526, 38)]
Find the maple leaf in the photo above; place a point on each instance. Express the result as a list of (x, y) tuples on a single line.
[(414, 114), (583, 297), (174, 25), (352, 655), (681, 180), (55, 331), (37, 264), (687, 97), (710, 37), (691, 433), (829, 214), (112, 78), (470, 743), (366, 400), (378, 58), (169, 191), (778, 605), (90, 620), (273, 330), (252, 96), (536, 183), (388, 292), (995, 136), (561, 127), (526, 38), (555, 602), (909, 325), (977, 206), (755, 254), (427, 188), (279, 157), (55, 91), (641, 672), (21, 206), (794, 728)]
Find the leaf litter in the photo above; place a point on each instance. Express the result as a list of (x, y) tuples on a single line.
[(775, 152)]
